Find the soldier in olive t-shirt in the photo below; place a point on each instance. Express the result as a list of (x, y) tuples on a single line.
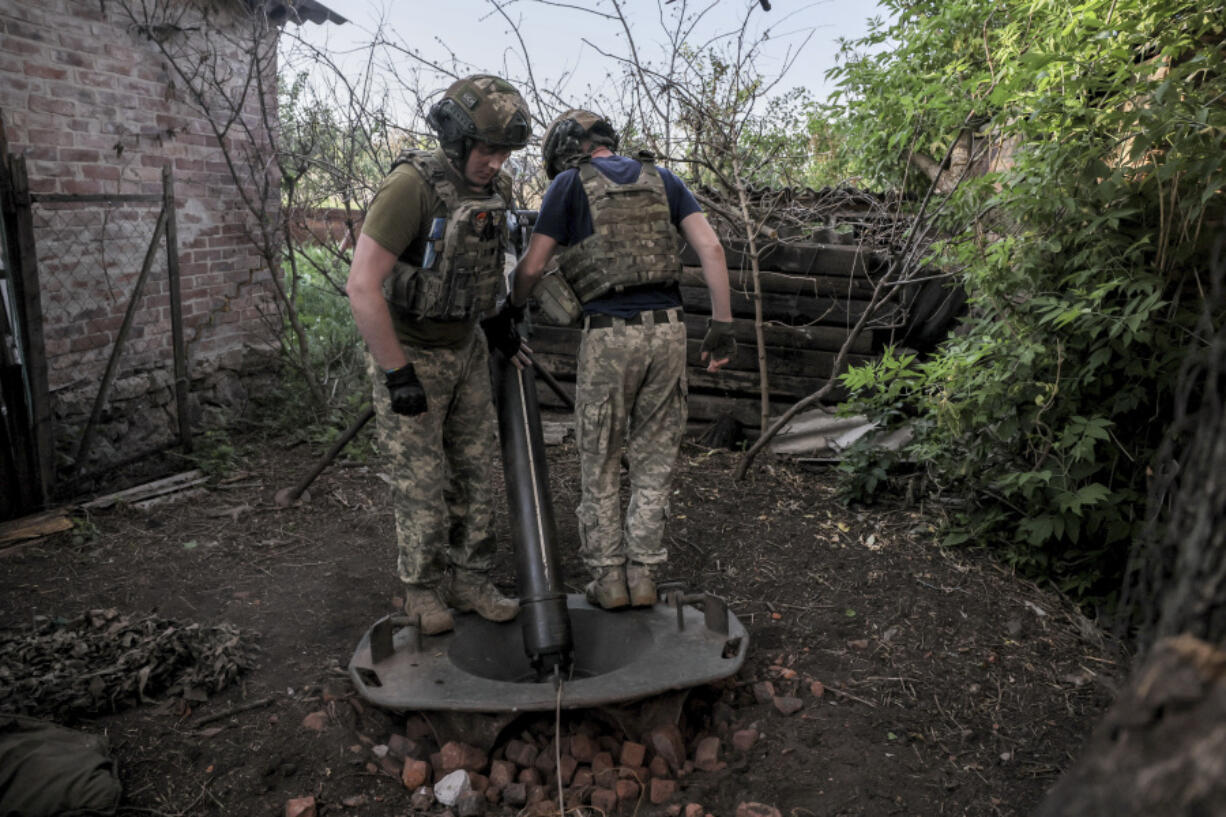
[(431, 248)]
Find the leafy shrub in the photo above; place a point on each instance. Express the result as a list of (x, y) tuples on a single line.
[(1080, 253)]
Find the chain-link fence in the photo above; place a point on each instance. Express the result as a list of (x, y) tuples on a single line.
[(90, 258), (108, 282)]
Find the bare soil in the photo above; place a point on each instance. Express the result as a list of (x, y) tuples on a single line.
[(932, 682)]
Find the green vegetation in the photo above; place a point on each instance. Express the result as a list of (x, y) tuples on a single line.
[(1085, 155), (334, 350)]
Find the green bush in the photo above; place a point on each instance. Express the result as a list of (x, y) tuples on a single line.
[(1081, 256), (334, 347)]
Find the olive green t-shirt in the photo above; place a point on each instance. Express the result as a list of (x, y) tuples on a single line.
[(398, 219)]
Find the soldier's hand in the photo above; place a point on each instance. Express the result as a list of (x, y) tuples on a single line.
[(719, 345), (501, 332), (408, 395)]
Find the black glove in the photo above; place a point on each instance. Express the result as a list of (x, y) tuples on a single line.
[(408, 396), (500, 331), (719, 342)]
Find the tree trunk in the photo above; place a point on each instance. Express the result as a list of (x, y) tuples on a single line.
[(1161, 749)]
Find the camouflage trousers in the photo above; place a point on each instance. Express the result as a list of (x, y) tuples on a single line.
[(440, 462), (631, 394)]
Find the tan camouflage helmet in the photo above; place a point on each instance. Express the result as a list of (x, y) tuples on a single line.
[(480, 108), (564, 140)]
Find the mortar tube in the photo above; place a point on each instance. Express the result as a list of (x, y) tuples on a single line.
[(543, 616)]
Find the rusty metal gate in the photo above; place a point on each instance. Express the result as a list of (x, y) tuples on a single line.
[(92, 300)]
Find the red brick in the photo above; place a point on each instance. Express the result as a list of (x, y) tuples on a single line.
[(583, 778), (521, 753), (502, 772), (632, 754), (107, 173), (546, 759), (744, 739), (529, 776), (706, 754), (627, 791), (15, 45), (81, 186), (72, 58), (659, 767), (583, 748), (637, 773), (43, 104), (566, 771), (604, 800), (662, 790), (515, 794), (34, 69), (415, 773), (603, 770)]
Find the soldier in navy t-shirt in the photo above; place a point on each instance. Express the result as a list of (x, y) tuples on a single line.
[(613, 222)]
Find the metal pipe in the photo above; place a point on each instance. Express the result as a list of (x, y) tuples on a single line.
[(542, 597)]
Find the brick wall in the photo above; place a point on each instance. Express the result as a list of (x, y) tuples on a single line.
[(95, 108)]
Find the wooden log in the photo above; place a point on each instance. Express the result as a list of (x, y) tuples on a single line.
[(808, 258), (788, 309), (789, 361), (824, 338), (167, 485), (35, 526), (725, 381), (786, 283)]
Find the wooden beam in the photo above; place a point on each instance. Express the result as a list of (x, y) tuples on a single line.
[(34, 526), (786, 283)]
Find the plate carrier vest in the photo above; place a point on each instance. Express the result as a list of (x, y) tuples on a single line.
[(464, 278), (633, 242)]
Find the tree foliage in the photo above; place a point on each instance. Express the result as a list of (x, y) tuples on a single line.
[(1079, 153)]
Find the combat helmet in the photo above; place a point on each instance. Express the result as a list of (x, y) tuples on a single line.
[(566, 135), (479, 108)]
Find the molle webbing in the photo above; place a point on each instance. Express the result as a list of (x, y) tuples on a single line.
[(466, 277), (633, 242)]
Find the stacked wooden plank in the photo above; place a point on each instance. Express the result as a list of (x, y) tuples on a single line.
[(812, 294)]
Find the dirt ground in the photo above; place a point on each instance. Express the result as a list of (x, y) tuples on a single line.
[(948, 687)]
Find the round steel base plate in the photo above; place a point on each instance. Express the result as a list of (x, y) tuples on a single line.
[(481, 666)]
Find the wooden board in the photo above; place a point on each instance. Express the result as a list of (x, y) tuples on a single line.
[(557, 347), (809, 258), (34, 526), (784, 283)]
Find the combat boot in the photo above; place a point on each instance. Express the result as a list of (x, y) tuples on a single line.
[(424, 603), (468, 590), (608, 589), (640, 581)]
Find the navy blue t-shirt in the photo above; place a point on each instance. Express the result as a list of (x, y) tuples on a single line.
[(566, 218)]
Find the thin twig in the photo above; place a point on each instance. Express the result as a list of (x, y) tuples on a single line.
[(234, 710)]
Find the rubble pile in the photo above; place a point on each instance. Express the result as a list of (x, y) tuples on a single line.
[(611, 774)]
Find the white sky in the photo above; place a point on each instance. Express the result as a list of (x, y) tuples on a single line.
[(482, 39)]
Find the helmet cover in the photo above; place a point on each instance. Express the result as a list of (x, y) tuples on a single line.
[(480, 108), (564, 140)]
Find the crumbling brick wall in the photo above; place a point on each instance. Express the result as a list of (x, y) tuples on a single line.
[(95, 108)]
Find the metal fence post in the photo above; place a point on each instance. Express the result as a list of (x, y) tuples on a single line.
[(176, 310)]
